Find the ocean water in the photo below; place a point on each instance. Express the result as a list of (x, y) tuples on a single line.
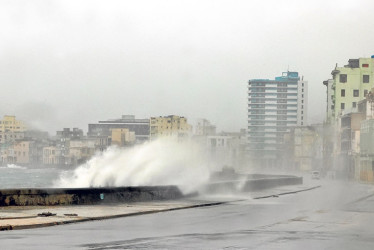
[(13, 176)]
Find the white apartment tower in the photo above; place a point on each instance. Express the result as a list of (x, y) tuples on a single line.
[(274, 106)]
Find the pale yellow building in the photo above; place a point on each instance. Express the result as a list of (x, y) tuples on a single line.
[(169, 126), (122, 137), (11, 129)]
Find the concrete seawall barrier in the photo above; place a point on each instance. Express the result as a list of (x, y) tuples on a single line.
[(248, 184), (91, 196), (86, 196)]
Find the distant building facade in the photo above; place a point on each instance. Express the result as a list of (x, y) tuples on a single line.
[(66, 133), (122, 137), (303, 148), (227, 149), (348, 116), (330, 99), (11, 129), (365, 170), (351, 84), (273, 107), (204, 128), (104, 128), (169, 126)]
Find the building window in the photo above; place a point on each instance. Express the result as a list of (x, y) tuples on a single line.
[(281, 111), (354, 104), (281, 90), (365, 92), (355, 93), (281, 117), (342, 92), (366, 78), (343, 78), (342, 105), (365, 65)]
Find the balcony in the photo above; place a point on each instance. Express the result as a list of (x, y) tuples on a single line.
[(335, 71)]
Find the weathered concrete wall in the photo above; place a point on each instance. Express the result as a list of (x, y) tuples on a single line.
[(84, 196)]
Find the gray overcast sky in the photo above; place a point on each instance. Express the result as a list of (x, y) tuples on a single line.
[(70, 63)]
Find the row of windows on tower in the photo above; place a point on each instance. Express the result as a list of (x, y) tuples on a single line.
[(259, 91), (254, 90), (278, 123), (279, 95), (263, 84), (356, 93), (263, 100), (279, 106), (262, 111), (343, 78)]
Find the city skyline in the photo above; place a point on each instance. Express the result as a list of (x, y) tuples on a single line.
[(71, 63)]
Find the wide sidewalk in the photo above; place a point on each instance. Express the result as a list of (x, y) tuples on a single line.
[(17, 217)]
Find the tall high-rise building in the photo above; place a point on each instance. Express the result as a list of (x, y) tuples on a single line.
[(273, 107)]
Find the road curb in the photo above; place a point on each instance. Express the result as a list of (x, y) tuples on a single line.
[(285, 193)]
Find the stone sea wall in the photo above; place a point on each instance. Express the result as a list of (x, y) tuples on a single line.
[(86, 196)]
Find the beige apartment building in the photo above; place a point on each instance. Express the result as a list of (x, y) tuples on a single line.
[(169, 126), (22, 152), (11, 129), (122, 137)]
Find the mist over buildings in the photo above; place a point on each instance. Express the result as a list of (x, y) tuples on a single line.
[(66, 64)]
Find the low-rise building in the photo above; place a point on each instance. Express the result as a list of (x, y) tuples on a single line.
[(104, 128), (204, 128), (228, 149), (303, 149), (122, 137), (170, 126), (52, 155), (81, 150), (22, 152), (348, 159)]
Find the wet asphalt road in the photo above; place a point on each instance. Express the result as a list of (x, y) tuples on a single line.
[(336, 216)]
